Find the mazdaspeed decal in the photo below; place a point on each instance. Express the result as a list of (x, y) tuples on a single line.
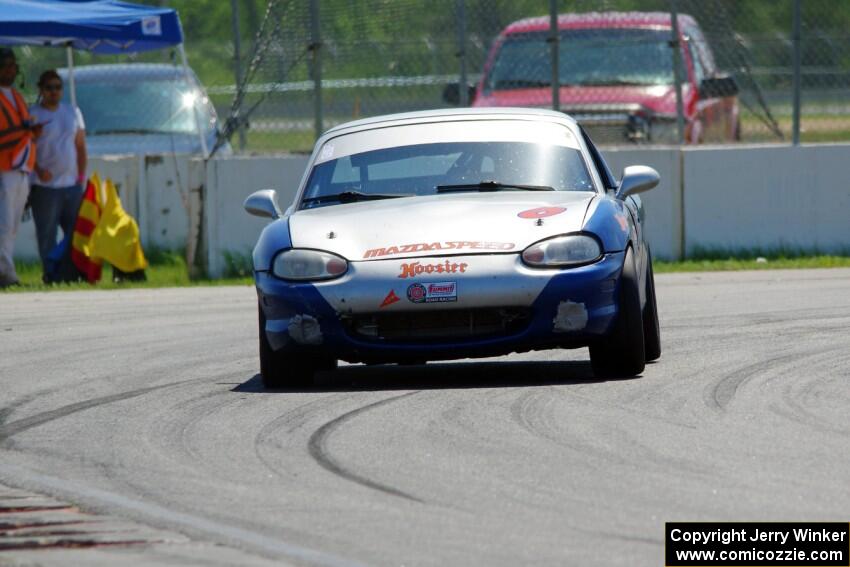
[(438, 292), (413, 269), (541, 212), (435, 246)]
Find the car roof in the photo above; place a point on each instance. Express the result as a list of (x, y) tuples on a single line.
[(450, 114), (139, 71), (600, 20)]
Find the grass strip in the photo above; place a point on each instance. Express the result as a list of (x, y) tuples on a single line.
[(166, 269)]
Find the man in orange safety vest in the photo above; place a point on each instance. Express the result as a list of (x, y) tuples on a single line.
[(17, 158)]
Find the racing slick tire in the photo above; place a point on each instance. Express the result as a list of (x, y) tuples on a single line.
[(284, 369), (651, 328), (622, 352)]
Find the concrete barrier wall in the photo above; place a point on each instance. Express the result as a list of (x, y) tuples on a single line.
[(735, 198), (767, 197), (662, 205), (228, 229)]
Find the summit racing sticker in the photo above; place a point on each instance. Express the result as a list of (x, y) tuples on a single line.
[(439, 292), (413, 269), (438, 246)]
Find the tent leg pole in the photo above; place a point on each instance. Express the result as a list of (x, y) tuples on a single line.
[(69, 55), (191, 83)]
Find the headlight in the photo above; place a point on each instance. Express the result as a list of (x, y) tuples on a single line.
[(563, 251), (305, 265)]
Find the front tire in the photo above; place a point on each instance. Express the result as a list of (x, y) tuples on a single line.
[(622, 352), (285, 369)]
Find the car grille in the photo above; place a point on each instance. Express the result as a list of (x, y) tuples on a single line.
[(455, 324), (609, 123)]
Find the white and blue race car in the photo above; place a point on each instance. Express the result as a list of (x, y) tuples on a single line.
[(455, 234)]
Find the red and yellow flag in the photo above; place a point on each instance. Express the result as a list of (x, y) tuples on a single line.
[(116, 236), (87, 220)]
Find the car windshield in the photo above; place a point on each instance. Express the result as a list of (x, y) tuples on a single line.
[(426, 169), (448, 155), (587, 57), (141, 105)]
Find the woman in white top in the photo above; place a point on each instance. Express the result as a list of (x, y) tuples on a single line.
[(60, 167)]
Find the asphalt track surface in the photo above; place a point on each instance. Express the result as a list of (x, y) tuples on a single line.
[(146, 405)]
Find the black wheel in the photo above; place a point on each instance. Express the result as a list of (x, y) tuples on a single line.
[(284, 369), (651, 328), (622, 352)]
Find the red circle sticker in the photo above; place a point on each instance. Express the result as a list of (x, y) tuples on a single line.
[(541, 212)]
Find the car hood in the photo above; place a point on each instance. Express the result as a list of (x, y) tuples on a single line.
[(463, 223)]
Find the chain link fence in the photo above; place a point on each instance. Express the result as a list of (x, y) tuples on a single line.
[(278, 72), (131, 104)]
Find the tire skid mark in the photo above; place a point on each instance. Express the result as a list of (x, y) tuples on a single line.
[(16, 404), (531, 412), (661, 418), (171, 431), (317, 447), (719, 395), (757, 319), (797, 409), (9, 430), (164, 433), (193, 418), (464, 432), (293, 419)]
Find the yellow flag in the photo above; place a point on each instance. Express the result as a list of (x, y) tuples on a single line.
[(116, 237)]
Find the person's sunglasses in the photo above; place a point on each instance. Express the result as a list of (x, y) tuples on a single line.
[(52, 88)]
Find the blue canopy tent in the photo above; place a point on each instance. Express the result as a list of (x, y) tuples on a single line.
[(100, 26)]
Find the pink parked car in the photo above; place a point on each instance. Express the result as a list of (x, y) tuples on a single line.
[(616, 77)]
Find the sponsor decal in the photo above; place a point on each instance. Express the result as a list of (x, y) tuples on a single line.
[(390, 299), (438, 292), (413, 269), (151, 25), (541, 212), (438, 246)]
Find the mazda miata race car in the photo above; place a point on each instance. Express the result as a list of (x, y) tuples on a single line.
[(454, 234)]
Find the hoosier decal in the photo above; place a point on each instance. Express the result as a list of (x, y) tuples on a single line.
[(438, 246), (413, 269)]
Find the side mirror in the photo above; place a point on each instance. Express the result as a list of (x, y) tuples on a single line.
[(451, 94), (263, 204), (718, 87), (637, 179)]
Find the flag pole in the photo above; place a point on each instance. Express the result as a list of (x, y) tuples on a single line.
[(69, 56)]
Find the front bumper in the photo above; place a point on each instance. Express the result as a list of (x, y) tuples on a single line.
[(562, 308)]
